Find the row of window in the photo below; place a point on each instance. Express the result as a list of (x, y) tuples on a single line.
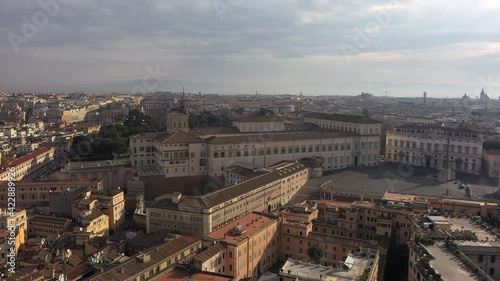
[(431, 146), (439, 133)]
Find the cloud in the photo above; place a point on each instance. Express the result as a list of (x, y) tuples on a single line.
[(255, 44)]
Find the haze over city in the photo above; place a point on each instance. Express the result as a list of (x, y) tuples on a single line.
[(239, 47)]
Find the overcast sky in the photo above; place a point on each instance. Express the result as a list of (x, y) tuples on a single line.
[(446, 48)]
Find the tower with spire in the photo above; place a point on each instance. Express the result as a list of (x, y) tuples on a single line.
[(483, 98)]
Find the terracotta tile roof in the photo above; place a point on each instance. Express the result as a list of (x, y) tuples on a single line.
[(181, 275), (26, 157), (211, 251), (177, 137), (251, 223), (49, 219), (215, 198), (225, 194), (44, 182), (144, 136), (193, 185), (157, 255)]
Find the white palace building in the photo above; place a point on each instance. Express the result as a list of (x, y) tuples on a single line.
[(434, 144), (340, 141)]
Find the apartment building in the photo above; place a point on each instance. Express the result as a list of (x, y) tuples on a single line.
[(244, 248), (29, 166), (4, 246), (90, 225), (434, 145), (299, 231), (37, 193), (43, 226), (364, 220), (153, 262), (112, 203), (19, 220), (200, 215)]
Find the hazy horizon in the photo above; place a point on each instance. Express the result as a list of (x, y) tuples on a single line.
[(317, 47)]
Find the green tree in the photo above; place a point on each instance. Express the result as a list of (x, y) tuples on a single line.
[(240, 110), (119, 146), (315, 252), (265, 112)]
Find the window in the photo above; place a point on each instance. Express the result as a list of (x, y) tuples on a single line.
[(492, 271), (230, 256), (480, 258), (493, 258)]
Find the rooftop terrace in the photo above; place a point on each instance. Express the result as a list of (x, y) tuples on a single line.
[(352, 269)]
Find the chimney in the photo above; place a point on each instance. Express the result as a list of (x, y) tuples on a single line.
[(176, 197)]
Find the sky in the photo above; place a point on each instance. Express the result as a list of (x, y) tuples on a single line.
[(318, 47)]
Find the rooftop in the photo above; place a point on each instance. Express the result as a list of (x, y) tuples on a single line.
[(51, 220), (177, 137), (209, 252), (45, 182), (181, 275), (248, 225), (280, 136), (111, 192), (343, 118), (144, 136), (261, 119), (157, 255), (447, 127), (188, 186), (244, 170), (484, 237), (25, 158), (306, 271), (447, 265), (90, 165), (393, 196), (220, 196)]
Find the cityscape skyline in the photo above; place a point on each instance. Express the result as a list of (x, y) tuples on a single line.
[(239, 47)]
